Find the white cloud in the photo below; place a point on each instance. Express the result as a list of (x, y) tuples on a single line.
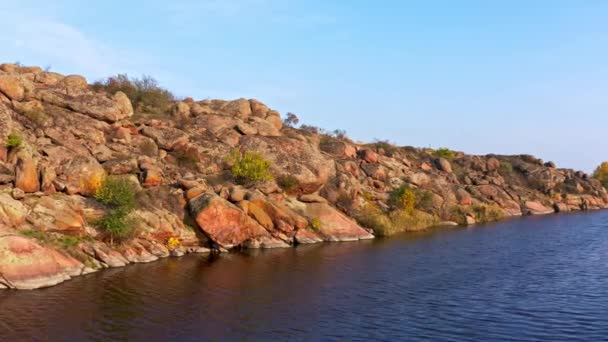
[(48, 41)]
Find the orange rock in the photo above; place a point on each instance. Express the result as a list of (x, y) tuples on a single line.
[(26, 174), (152, 178), (229, 226), (27, 265)]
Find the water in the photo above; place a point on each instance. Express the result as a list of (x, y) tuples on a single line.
[(539, 278)]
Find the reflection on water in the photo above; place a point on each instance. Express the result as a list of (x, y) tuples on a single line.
[(524, 279)]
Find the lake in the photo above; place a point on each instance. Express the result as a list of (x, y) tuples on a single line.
[(535, 278)]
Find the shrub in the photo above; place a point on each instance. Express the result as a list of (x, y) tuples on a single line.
[(388, 147), (505, 168), (13, 140), (483, 213), (288, 183), (601, 174), (408, 199), (145, 93), (311, 129), (117, 224), (249, 167), (487, 213), (403, 198), (445, 153), (119, 195), (386, 224)]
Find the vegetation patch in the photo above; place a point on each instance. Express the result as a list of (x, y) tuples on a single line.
[(409, 199), (601, 174), (445, 153), (249, 167), (13, 140), (118, 195), (145, 94), (396, 221), (288, 183)]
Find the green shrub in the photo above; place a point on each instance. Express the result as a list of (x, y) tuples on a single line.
[(117, 193), (288, 183), (249, 167), (117, 224), (482, 213), (13, 140), (445, 153), (409, 199), (487, 213), (145, 93), (386, 224), (601, 174), (505, 168), (403, 198)]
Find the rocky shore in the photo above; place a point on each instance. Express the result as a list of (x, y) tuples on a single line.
[(59, 137)]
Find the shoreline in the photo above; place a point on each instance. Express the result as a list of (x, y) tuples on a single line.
[(55, 281)]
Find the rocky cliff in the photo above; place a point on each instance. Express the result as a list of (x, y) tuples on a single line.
[(59, 138)]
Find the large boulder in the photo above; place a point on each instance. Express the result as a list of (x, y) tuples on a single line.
[(80, 175), (229, 226), (14, 86), (332, 225), (98, 106), (24, 264), (12, 212), (166, 138), (536, 208)]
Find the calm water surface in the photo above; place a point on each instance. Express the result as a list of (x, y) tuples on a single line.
[(532, 279)]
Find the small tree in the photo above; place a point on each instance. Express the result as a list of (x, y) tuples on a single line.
[(601, 174), (291, 120)]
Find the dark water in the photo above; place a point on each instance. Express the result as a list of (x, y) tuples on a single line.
[(541, 278)]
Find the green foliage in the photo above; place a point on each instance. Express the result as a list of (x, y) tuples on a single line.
[(66, 243), (482, 213), (14, 140), (386, 224), (408, 199), (601, 174), (288, 183), (445, 153), (145, 93), (249, 167), (505, 168), (403, 198), (118, 194), (35, 234), (117, 224)]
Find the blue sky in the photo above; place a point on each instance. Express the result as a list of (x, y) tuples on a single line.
[(477, 76)]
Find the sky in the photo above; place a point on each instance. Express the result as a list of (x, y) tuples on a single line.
[(505, 77)]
